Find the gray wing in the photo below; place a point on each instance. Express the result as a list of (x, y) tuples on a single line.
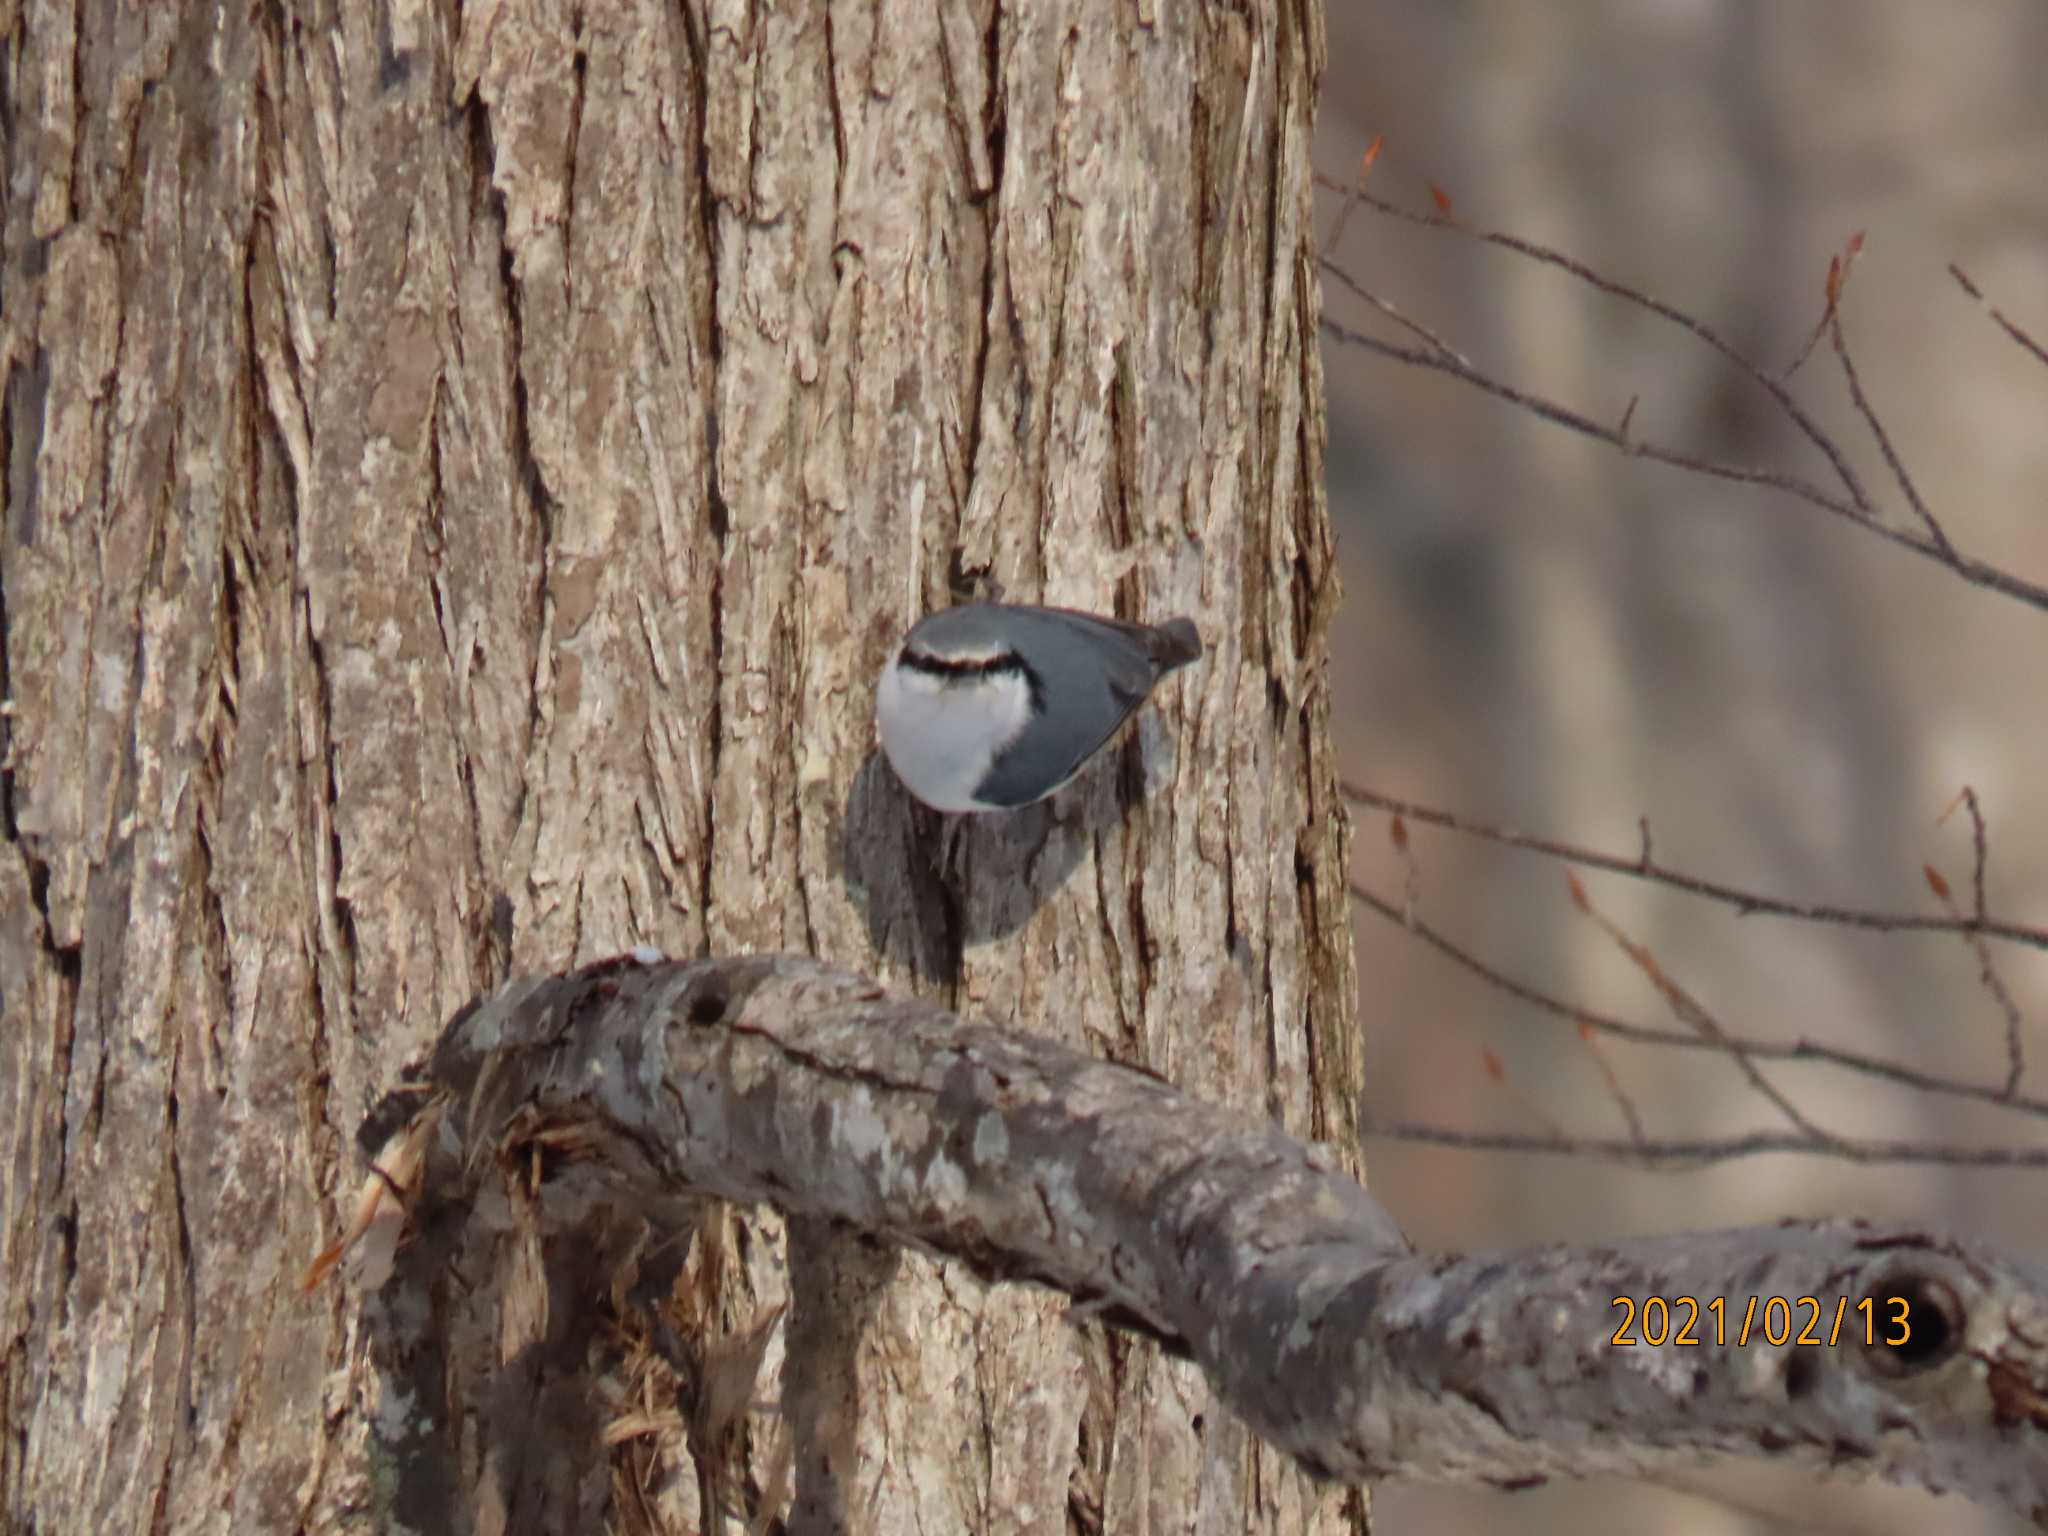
[(1098, 670)]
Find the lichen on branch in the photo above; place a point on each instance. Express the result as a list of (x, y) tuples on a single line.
[(556, 1151)]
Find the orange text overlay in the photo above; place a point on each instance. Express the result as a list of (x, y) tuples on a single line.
[(1776, 1320)]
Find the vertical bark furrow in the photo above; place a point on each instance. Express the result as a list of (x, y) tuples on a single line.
[(466, 467)]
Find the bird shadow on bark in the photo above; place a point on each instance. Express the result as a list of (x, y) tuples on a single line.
[(930, 884)]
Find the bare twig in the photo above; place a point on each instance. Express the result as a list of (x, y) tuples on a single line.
[(1411, 871), (1444, 360), (1820, 329), (1721, 1149), (1998, 316), (1695, 1013), (1401, 318), (1877, 1067), (1993, 983), (1498, 1071), (1893, 462), (1855, 505), (1590, 1039), (1695, 327), (1747, 903), (1980, 841), (1350, 203), (1838, 275), (1987, 971)]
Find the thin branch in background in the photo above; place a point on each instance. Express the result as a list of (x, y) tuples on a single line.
[(1856, 507), (1699, 329), (1858, 1062), (1411, 876), (1590, 1039), (1838, 270), (1854, 504), (1746, 903), (1993, 983), (1585, 1018), (1691, 1010), (1987, 972), (1976, 572), (1444, 360), (1699, 1154), (1998, 315), (1498, 1071), (1400, 317), (1980, 840), (1411, 906), (1344, 212), (1706, 1030)]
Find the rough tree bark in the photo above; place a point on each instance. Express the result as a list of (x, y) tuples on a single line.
[(464, 468)]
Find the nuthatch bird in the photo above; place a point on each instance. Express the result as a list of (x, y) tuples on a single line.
[(990, 706)]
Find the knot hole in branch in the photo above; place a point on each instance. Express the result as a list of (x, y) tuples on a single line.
[(707, 1001), (1918, 1321)]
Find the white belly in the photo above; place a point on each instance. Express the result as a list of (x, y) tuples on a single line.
[(941, 733)]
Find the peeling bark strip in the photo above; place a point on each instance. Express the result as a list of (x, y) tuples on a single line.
[(580, 1120)]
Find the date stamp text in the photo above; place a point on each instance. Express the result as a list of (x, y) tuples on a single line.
[(1776, 1320)]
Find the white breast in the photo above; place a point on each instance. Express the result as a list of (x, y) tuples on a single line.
[(941, 733)]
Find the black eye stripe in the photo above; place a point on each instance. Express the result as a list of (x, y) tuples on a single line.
[(1009, 663), (946, 666)]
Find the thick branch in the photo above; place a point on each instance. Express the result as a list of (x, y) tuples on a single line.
[(573, 1123)]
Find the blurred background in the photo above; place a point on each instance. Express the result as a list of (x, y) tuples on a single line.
[(1541, 633)]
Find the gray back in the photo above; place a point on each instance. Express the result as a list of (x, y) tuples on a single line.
[(1090, 671)]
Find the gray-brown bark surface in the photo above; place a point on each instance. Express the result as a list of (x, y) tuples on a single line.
[(464, 468), (551, 1152)]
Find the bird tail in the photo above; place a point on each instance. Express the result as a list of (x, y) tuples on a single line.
[(1174, 644)]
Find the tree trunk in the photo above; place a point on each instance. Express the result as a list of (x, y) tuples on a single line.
[(464, 473)]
